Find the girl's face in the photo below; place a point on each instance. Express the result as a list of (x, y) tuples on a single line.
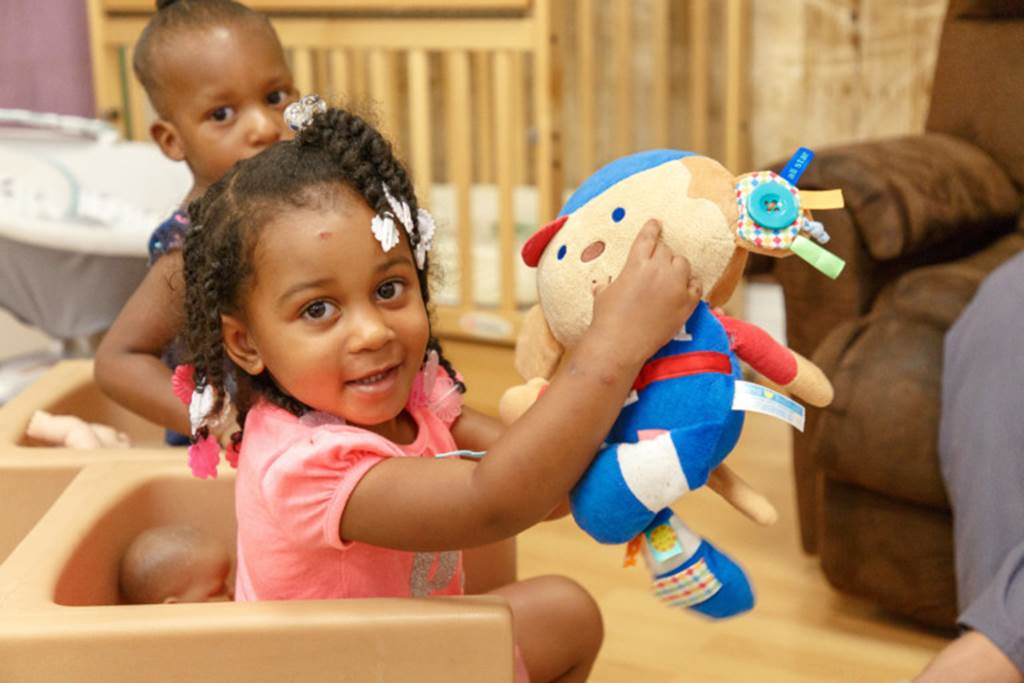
[(340, 325)]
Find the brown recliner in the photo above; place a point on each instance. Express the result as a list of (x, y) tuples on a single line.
[(927, 217)]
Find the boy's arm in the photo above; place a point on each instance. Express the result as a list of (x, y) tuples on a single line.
[(128, 364)]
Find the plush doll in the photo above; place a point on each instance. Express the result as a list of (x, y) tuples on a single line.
[(74, 432), (685, 412)]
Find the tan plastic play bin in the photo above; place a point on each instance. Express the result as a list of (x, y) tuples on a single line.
[(32, 475), (66, 517), (60, 621)]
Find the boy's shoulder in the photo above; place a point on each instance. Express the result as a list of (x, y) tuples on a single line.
[(168, 236)]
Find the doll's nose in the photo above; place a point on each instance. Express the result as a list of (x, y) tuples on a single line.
[(593, 250)]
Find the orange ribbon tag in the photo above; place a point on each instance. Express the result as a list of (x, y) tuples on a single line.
[(632, 550)]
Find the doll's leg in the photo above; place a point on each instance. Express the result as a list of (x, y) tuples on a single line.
[(689, 572), (627, 484)]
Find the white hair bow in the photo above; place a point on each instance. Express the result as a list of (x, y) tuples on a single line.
[(386, 232)]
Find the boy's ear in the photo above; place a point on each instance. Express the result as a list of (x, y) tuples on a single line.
[(239, 345), (166, 135)]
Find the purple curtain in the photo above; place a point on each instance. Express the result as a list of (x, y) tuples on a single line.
[(44, 56)]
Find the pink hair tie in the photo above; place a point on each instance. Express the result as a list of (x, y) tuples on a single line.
[(433, 388), (233, 449), (204, 453), (203, 456), (183, 383)]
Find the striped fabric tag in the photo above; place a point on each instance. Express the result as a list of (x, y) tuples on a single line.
[(692, 585)]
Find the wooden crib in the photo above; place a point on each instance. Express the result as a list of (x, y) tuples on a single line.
[(499, 107)]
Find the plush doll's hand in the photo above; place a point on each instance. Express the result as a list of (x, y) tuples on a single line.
[(518, 399), (810, 383)]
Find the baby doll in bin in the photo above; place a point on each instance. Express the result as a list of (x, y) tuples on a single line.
[(72, 431), (174, 563)]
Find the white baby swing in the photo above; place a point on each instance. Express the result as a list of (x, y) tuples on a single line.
[(77, 206)]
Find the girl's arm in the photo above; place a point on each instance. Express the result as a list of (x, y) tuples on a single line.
[(128, 365), (487, 567), (476, 431), (424, 504)]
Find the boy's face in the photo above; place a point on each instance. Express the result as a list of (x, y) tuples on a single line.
[(223, 91), (340, 324)]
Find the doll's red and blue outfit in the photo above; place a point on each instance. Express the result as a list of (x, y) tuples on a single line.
[(677, 425)]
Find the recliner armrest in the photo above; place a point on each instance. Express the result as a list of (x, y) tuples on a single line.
[(907, 194), (910, 201)]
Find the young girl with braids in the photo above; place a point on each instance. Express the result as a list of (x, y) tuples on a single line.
[(306, 268), (216, 76)]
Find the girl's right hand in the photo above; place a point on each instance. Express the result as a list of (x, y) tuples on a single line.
[(650, 300)]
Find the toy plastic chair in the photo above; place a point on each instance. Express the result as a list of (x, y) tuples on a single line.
[(59, 595)]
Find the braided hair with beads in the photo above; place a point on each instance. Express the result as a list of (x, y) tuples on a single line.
[(336, 146)]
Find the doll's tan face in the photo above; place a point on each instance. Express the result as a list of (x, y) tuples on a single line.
[(593, 244)]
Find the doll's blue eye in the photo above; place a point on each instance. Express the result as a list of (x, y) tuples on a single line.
[(618, 214), (561, 252)]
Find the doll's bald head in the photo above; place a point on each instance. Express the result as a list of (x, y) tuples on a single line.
[(175, 563)]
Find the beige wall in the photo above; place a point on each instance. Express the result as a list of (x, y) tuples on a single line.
[(820, 72), (831, 71)]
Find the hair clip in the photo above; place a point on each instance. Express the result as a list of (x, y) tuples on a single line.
[(386, 232), (298, 114), (400, 210), (204, 453), (427, 228)]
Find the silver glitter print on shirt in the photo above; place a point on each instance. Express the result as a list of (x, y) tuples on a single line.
[(421, 583)]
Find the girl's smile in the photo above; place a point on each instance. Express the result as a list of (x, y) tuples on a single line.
[(376, 383)]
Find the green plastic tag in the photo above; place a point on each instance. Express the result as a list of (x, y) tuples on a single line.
[(822, 259)]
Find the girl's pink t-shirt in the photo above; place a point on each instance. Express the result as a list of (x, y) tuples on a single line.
[(295, 476)]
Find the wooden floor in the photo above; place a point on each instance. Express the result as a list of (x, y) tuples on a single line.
[(800, 630)]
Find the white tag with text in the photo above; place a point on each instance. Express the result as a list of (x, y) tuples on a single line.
[(758, 399)]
